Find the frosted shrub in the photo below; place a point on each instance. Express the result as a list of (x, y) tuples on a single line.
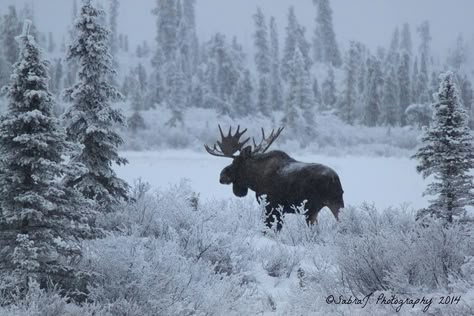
[(390, 251), (151, 277), (279, 261)]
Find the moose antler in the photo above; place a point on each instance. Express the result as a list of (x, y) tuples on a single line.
[(266, 142), (229, 144)]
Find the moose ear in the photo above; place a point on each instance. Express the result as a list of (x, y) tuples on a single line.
[(246, 152)]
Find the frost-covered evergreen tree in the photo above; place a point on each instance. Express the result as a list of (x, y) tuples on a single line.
[(262, 63), (390, 112), (328, 91), (362, 71), (56, 76), (300, 95), (422, 82), (137, 88), (294, 39), (40, 219), (317, 94), (325, 45), (262, 48), (447, 153), (373, 96), (11, 27), (222, 68), (425, 40), (276, 93), (414, 80), (458, 56), (348, 100), (113, 37), (393, 51), (72, 66), (405, 39), (404, 86), (467, 96), (91, 118), (177, 96), (242, 98)]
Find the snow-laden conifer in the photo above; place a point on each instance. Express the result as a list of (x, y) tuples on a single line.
[(40, 219), (294, 39), (447, 153), (276, 98), (91, 118), (348, 100), (328, 90), (325, 45), (390, 113)]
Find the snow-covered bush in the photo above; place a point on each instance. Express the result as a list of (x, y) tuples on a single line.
[(390, 251)]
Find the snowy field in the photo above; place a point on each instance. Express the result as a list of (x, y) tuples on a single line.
[(384, 182)]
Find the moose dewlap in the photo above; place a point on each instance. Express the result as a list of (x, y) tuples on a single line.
[(285, 181)]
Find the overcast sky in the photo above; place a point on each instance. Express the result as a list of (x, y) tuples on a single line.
[(369, 21)]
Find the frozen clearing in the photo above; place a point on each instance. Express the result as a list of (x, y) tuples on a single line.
[(385, 182)]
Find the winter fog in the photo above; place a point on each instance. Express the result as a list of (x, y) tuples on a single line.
[(265, 157)]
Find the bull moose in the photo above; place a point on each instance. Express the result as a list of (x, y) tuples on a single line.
[(285, 181)]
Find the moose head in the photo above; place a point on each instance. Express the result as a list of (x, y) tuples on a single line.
[(239, 172)]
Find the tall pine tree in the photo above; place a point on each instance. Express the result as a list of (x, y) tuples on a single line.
[(447, 153), (348, 100), (40, 219), (325, 45), (91, 118), (262, 63), (276, 93)]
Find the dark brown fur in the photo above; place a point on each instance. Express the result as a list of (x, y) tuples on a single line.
[(286, 182)]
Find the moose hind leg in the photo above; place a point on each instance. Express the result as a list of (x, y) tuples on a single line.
[(273, 217), (311, 217)]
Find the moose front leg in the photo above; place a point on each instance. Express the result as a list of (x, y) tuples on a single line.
[(273, 217), (312, 214)]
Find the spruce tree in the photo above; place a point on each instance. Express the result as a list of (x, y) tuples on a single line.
[(10, 29), (262, 63), (390, 113), (328, 91), (348, 100), (72, 65), (317, 94), (467, 96), (405, 40), (300, 95), (404, 86), (458, 56), (393, 51), (176, 92), (242, 98), (295, 38), (425, 40), (262, 48), (373, 92), (40, 219), (414, 82), (276, 93), (422, 83), (325, 45), (91, 118), (113, 16), (447, 154)]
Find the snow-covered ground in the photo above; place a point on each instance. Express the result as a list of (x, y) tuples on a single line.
[(385, 182)]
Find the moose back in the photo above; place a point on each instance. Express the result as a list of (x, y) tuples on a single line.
[(285, 181)]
